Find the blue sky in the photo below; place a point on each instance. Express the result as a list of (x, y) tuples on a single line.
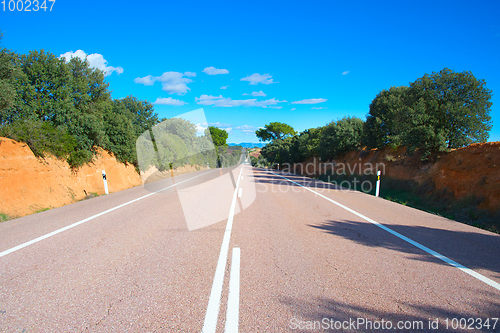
[(251, 63)]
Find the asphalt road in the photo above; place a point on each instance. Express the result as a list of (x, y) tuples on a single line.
[(246, 250)]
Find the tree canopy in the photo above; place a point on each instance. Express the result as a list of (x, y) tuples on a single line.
[(275, 131), (219, 136), (436, 112), (65, 108)]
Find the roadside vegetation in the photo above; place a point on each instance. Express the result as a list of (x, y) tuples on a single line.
[(431, 116), (424, 197), (64, 107), (435, 113), (4, 217)]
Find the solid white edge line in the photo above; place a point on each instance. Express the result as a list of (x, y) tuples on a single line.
[(36, 240), (210, 323), (240, 192), (453, 263), (233, 299)]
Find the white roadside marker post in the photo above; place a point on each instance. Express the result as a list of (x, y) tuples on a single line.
[(377, 191), (105, 182)]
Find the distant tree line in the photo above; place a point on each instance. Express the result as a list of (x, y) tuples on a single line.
[(436, 113)]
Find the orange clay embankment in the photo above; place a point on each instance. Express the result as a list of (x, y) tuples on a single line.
[(472, 170), (29, 184)]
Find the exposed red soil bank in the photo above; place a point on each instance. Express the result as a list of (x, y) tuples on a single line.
[(472, 170), (29, 184)]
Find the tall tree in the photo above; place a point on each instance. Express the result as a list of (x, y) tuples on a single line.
[(458, 105), (388, 117), (275, 131), (436, 112), (340, 137), (48, 85), (7, 91), (219, 136), (140, 113)]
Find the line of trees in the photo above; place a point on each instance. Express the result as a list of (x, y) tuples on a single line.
[(65, 108), (437, 112)]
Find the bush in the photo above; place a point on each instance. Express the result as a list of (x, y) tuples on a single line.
[(79, 157), (41, 137)]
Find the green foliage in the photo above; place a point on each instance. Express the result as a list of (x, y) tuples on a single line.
[(305, 145), (341, 137), (387, 118), (174, 143), (459, 105), (7, 77), (41, 137), (140, 113), (440, 111), (121, 134), (65, 108), (4, 217), (219, 136), (79, 157), (278, 151), (425, 197), (275, 131)]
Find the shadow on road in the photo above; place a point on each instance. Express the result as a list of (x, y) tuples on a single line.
[(265, 177), (475, 250), (416, 316)]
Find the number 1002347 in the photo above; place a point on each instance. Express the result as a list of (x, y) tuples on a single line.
[(27, 5)]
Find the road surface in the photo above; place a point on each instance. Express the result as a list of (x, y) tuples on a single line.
[(248, 250)]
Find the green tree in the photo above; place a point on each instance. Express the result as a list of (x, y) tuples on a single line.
[(7, 77), (275, 131), (388, 118), (121, 135), (219, 136), (140, 113), (48, 88), (305, 145), (436, 112), (278, 151), (457, 104), (340, 137)]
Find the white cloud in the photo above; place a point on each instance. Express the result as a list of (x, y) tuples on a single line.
[(95, 60), (172, 82), (256, 94), (345, 73), (147, 80), (247, 129), (224, 87), (318, 108), (220, 125), (293, 109), (200, 129), (257, 78), (169, 101), (221, 101), (215, 71), (311, 101)]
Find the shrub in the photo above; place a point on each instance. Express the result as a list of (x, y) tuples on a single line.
[(79, 157), (41, 137)]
